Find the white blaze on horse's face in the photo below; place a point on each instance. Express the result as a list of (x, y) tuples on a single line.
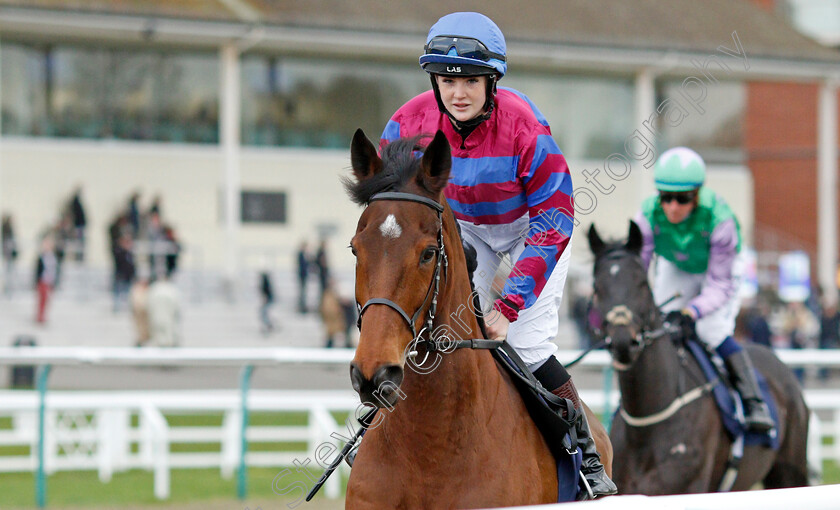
[(614, 270), (390, 228)]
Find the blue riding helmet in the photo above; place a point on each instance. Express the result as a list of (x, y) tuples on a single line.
[(466, 44)]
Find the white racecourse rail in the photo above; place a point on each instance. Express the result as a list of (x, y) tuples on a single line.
[(824, 497), (93, 430)]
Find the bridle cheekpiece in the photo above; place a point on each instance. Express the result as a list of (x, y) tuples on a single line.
[(441, 266)]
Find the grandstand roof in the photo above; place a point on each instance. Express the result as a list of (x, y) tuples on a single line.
[(638, 25)]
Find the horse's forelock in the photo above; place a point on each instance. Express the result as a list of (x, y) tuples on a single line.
[(614, 251), (399, 166)]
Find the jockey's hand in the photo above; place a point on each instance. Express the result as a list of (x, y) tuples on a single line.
[(684, 319), (496, 325)]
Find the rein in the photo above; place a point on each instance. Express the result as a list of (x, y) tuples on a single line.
[(672, 409)]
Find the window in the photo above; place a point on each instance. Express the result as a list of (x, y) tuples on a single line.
[(83, 92), (715, 127), (590, 116), (321, 103)]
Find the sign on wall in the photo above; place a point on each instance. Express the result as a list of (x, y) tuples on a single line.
[(794, 276), (263, 207)]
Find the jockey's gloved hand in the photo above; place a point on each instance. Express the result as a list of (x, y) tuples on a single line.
[(684, 319)]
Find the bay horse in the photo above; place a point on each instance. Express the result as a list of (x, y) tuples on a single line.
[(457, 435), (676, 442)]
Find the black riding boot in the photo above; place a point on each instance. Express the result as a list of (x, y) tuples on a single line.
[(553, 376), (756, 412), (591, 467)]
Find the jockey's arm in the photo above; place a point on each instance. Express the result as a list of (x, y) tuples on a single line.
[(548, 189), (720, 283)]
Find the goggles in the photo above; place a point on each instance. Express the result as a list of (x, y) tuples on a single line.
[(466, 47), (681, 198)]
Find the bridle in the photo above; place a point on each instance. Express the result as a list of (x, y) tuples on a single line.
[(441, 266), (432, 344), (621, 315)]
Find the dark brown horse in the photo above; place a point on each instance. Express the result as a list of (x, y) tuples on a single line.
[(668, 437), (454, 433)]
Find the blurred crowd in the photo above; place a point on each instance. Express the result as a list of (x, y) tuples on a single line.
[(144, 250), (812, 324)]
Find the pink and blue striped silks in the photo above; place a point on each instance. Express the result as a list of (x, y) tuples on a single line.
[(508, 167)]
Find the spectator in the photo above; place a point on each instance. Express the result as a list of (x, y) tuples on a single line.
[(155, 207), (164, 313), (133, 214), (10, 252), (799, 327), (758, 329), (829, 336), (267, 296), (62, 235), (124, 270), (119, 227), (350, 319), (303, 262), (79, 222), (139, 298), (158, 246), (323, 266), (45, 276), (332, 315), (173, 250)]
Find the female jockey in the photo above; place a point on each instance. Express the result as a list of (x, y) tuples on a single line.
[(698, 241), (510, 190)]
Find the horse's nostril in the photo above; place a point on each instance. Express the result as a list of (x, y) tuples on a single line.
[(388, 377), (356, 378)]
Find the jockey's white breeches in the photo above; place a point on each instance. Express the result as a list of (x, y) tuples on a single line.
[(532, 334), (714, 327)]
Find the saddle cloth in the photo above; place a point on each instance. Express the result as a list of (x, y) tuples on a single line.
[(553, 428), (723, 393)]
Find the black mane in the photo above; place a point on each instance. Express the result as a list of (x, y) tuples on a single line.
[(399, 166)]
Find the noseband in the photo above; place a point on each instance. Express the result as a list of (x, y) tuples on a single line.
[(434, 286)]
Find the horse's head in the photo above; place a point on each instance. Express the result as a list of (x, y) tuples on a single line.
[(622, 295), (399, 255)]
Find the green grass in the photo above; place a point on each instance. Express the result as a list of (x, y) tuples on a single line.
[(831, 472), (83, 488)]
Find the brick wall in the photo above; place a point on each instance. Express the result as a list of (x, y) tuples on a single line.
[(780, 142), (781, 147)]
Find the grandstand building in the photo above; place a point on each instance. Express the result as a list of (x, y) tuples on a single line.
[(239, 113)]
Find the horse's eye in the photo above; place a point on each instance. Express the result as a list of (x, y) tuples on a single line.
[(428, 255), (352, 250)]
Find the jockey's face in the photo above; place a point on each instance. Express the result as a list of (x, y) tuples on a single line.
[(463, 97), (678, 206)]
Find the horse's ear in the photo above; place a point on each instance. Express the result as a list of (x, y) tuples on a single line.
[(363, 157), (596, 244), (436, 164), (634, 238)]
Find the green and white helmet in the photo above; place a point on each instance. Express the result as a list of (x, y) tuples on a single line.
[(679, 169)]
